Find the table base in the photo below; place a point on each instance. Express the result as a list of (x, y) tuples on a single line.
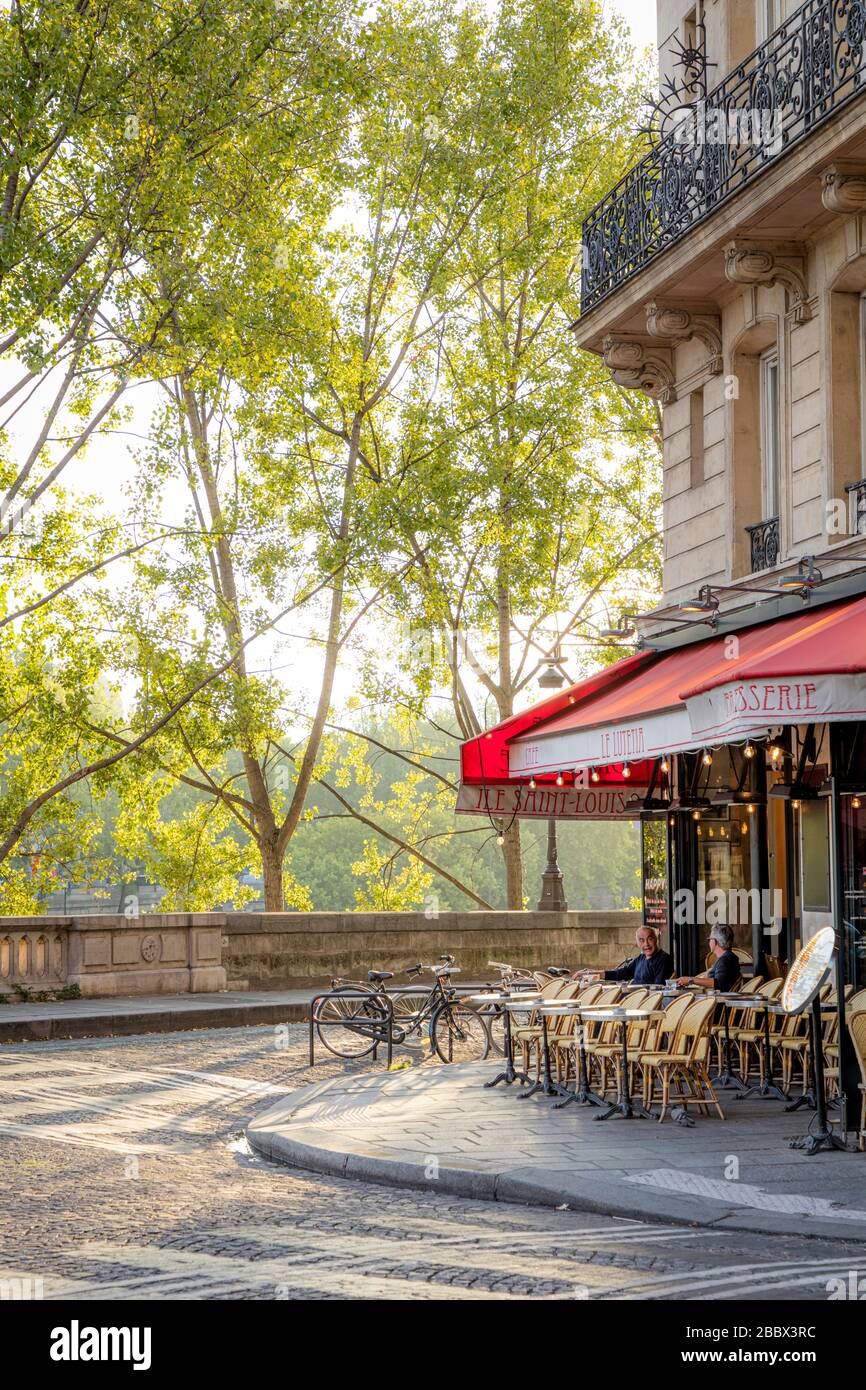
[(814, 1143), (627, 1110)]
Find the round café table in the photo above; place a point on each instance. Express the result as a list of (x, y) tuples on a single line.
[(766, 1088), (510, 1074), (583, 1093), (518, 1003), (624, 1105), (727, 1078)]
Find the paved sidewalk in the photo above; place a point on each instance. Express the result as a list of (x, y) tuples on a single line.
[(151, 1013), (435, 1127)]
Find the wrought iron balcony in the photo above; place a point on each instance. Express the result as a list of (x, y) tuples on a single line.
[(857, 507), (765, 544), (800, 76)]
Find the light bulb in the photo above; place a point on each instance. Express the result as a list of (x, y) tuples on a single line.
[(559, 779), (664, 765), (775, 753), (500, 839), (595, 775), (532, 784), (707, 758), (750, 808), (856, 803), (696, 815), (749, 750), (796, 805), (626, 770)]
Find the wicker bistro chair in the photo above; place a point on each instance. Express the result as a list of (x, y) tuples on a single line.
[(831, 1048), (527, 1035), (795, 1049), (529, 1038), (683, 1067), (601, 1035), (737, 1017), (562, 1040), (857, 1029), (638, 1036), (748, 1036)]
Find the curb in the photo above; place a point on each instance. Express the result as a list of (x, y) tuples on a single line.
[(162, 1021), (601, 1197)]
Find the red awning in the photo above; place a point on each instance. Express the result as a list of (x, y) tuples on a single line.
[(484, 760), (801, 669)]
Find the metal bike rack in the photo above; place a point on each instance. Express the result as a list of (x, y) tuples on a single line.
[(386, 1034)]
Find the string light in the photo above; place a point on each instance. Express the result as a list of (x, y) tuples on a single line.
[(664, 765), (696, 815), (626, 770), (775, 753), (795, 805), (500, 839), (750, 808), (749, 750), (594, 775), (559, 779), (532, 784), (856, 803), (707, 758)]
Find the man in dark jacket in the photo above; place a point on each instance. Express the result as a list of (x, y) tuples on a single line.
[(725, 970), (652, 967)]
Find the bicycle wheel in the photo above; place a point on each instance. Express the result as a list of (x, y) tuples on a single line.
[(459, 1034), (350, 1024), (407, 1007)]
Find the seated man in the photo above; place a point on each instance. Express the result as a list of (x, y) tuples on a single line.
[(652, 967), (726, 970)]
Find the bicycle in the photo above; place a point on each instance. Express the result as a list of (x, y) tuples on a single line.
[(457, 1032), (516, 977)]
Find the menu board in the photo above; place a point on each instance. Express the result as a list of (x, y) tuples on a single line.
[(807, 973)]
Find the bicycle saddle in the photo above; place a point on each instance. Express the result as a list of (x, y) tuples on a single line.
[(377, 976)]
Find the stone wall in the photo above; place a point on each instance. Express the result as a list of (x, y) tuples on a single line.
[(275, 950), (177, 953)]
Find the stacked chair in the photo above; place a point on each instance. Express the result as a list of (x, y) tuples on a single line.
[(680, 1072)]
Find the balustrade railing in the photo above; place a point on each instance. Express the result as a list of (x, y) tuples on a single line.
[(34, 958), (764, 537), (811, 66)]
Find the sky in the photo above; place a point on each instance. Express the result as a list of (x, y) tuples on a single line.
[(640, 15)]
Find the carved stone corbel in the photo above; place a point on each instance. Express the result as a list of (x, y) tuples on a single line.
[(676, 324), (747, 263), (634, 366), (843, 188)]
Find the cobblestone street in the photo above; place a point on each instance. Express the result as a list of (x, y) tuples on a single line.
[(126, 1177)]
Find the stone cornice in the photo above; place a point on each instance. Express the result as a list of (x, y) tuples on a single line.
[(638, 367), (843, 188), (673, 323), (753, 263)]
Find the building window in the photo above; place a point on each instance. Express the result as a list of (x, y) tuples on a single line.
[(769, 18), (771, 469)]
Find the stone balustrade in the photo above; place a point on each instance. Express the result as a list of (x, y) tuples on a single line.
[(179, 953)]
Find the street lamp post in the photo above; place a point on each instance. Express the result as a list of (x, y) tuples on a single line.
[(552, 887)]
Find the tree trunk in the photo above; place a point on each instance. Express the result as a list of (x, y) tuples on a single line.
[(512, 853), (272, 872)]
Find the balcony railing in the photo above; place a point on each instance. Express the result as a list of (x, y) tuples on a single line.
[(801, 75), (857, 507), (764, 538)]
